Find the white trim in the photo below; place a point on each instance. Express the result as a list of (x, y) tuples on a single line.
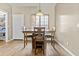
[(65, 49), (9, 40), (6, 25)]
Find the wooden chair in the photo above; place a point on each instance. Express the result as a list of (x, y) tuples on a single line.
[(39, 38), (50, 35)]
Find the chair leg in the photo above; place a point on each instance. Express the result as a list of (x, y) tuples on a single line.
[(26, 41), (35, 51), (43, 51), (51, 41)]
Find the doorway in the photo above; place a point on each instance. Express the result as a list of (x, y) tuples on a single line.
[(3, 26)]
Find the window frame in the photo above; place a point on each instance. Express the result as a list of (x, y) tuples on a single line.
[(35, 19)]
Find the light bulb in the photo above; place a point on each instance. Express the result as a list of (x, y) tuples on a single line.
[(39, 13)]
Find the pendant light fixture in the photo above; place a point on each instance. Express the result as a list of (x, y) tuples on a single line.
[(39, 13)]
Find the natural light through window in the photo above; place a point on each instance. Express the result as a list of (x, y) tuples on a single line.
[(40, 21)]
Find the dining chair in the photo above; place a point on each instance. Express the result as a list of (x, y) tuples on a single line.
[(39, 39)]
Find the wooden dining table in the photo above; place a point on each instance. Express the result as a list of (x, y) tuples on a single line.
[(29, 32)]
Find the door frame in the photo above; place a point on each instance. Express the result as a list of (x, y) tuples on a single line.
[(6, 24)]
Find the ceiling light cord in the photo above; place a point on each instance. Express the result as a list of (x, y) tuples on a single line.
[(39, 13), (39, 6)]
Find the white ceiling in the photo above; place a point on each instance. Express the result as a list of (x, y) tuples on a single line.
[(32, 4)]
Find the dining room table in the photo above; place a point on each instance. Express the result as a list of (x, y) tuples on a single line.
[(28, 33)]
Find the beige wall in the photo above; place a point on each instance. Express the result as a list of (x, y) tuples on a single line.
[(67, 22), (28, 11), (67, 25), (7, 8)]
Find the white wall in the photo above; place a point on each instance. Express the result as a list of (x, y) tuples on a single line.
[(67, 25), (5, 7), (29, 10)]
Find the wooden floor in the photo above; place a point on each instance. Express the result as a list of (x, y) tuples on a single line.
[(2, 42), (16, 48)]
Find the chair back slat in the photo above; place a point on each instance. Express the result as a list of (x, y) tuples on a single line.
[(39, 30)]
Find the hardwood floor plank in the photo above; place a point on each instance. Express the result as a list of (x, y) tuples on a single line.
[(16, 48)]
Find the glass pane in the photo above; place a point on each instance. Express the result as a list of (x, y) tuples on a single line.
[(37, 20), (46, 22), (46, 16), (43, 20), (42, 23)]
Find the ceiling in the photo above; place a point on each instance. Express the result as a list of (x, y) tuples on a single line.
[(32, 4)]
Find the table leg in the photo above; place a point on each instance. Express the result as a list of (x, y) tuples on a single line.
[(51, 40), (24, 41)]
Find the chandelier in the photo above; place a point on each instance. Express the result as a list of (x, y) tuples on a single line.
[(39, 13)]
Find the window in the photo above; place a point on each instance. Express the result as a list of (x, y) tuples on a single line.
[(40, 21)]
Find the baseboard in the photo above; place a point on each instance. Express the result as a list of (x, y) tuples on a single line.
[(18, 39), (1, 40), (9, 40), (72, 54)]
